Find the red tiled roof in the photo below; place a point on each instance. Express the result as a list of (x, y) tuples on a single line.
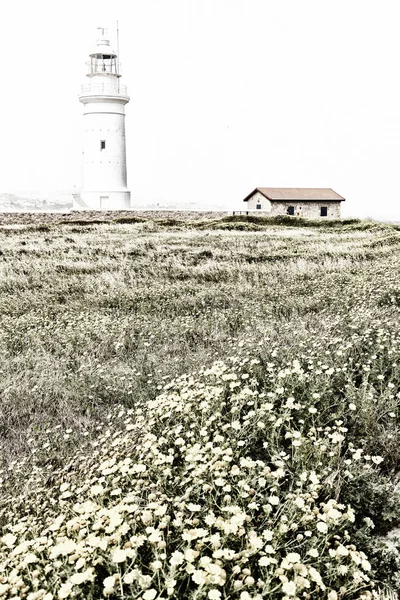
[(303, 194)]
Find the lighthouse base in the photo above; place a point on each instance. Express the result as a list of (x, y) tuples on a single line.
[(102, 201)]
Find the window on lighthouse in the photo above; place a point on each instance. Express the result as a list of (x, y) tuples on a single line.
[(102, 144)]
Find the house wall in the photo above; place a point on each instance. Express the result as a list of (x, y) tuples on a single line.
[(310, 210), (258, 198)]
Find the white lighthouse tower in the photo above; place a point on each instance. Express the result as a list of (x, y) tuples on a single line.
[(104, 99)]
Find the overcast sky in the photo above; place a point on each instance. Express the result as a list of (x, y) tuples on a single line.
[(226, 95)]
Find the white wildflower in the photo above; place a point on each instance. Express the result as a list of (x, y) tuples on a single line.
[(299, 502), (80, 578), (366, 565), (176, 559), (293, 557), (193, 507), (119, 555), (199, 577), (65, 590), (265, 561), (109, 585), (342, 550), (9, 540), (273, 500), (30, 558), (214, 595), (289, 588), (220, 482)]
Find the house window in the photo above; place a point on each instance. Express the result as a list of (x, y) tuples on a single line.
[(102, 144), (258, 206), (290, 210), (324, 211)]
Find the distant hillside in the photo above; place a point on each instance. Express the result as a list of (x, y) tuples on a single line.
[(35, 200), (14, 202)]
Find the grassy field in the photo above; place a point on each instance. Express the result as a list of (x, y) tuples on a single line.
[(158, 360)]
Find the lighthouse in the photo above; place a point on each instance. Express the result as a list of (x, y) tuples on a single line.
[(104, 164)]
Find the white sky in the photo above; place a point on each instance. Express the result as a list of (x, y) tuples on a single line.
[(226, 95)]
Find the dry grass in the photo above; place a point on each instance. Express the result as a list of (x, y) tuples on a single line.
[(101, 314)]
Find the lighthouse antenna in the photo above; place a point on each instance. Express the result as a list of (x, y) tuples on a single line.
[(118, 53)]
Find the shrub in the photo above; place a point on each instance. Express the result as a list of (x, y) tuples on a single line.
[(128, 220)]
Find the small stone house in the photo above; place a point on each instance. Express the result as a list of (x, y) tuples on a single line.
[(313, 203)]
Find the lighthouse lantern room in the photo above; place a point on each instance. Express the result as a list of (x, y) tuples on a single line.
[(104, 99)]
